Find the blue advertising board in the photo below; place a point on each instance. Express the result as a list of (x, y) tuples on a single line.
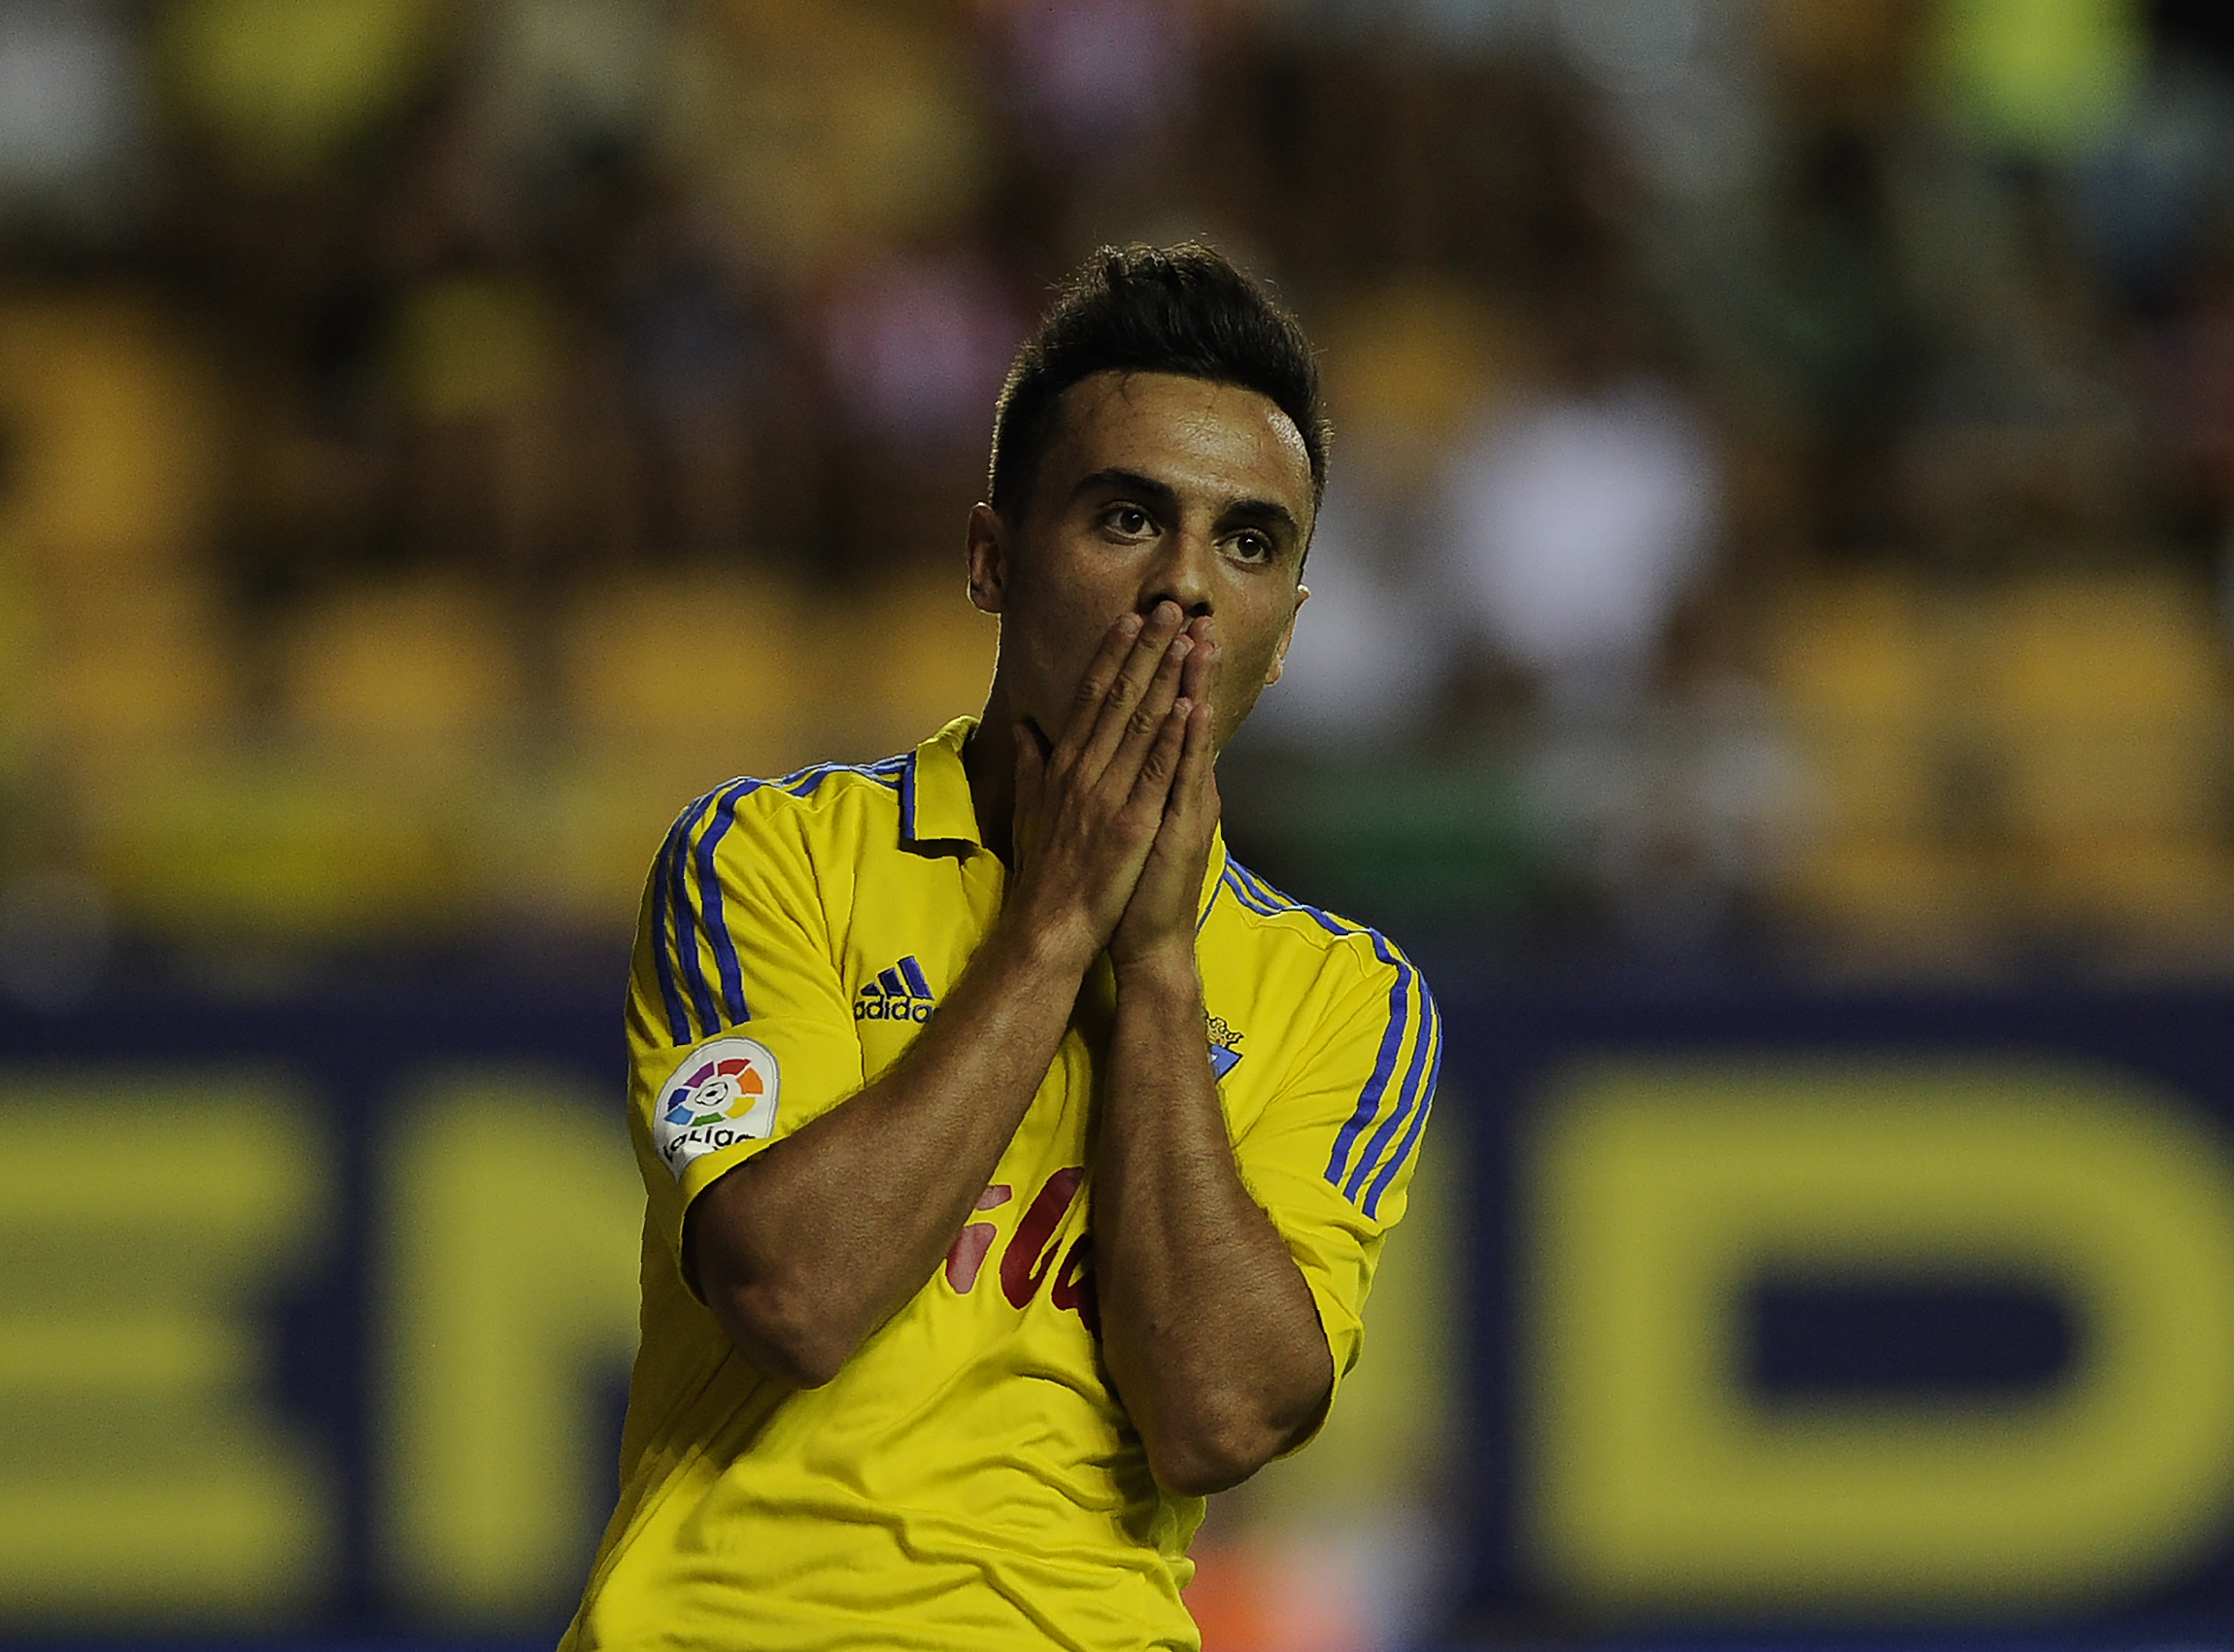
[(1827, 1313)]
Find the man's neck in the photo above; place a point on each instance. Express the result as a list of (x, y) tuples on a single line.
[(989, 759)]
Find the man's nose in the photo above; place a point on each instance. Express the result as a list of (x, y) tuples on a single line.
[(1182, 574)]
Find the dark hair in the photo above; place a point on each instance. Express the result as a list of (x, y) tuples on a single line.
[(1183, 310)]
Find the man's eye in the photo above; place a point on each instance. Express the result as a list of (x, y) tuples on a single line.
[(1253, 546), (1128, 520)]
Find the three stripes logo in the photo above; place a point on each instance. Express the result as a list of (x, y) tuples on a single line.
[(898, 993)]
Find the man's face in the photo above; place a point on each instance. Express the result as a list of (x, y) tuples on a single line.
[(1154, 488)]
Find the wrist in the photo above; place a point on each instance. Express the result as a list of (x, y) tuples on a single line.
[(1049, 947), (1166, 971)]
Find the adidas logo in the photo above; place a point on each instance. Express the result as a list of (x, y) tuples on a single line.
[(898, 993)]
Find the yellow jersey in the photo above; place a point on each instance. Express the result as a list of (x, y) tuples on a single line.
[(969, 1479)]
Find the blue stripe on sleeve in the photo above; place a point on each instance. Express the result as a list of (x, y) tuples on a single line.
[(1412, 1095), (907, 800), (1418, 1082), (1407, 1098), (678, 1019), (1384, 1066), (1261, 896), (687, 923), (710, 904), (1404, 1151), (1232, 880)]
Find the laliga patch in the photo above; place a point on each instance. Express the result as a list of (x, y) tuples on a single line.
[(724, 1093)]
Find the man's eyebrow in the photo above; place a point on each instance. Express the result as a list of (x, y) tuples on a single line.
[(1259, 513), (1122, 480)]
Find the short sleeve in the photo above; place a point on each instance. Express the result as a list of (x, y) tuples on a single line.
[(1330, 1157), (738, 1027)]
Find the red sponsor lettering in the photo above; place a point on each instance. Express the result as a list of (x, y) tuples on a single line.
[(1031, 1257), (1073, 1286), (967, 1255), (1022, 1266)]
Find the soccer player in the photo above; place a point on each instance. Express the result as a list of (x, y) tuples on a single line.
[(1018, 1161)]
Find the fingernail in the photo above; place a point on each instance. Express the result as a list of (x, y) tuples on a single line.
[(1181, 647), (1129, 624), (1181, 706)]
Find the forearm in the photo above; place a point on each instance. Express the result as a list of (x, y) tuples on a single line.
[(1211, 1332), (805, 1249)]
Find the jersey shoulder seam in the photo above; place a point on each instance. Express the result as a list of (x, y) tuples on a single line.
[(803, 793), (1265, 907), (815, 785)]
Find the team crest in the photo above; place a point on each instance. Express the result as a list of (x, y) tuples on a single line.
[(724, 1093), (1225, 1046)]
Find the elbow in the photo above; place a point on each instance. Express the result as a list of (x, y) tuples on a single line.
[(772, 1314), (782, 1336), (1195, 1461), (1215, 1447), (1194, 1475)]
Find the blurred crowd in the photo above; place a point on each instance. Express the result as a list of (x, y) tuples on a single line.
[(1783, 483)]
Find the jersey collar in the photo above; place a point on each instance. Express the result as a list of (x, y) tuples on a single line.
[(937, 814)]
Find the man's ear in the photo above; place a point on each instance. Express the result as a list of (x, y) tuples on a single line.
[(988, 549), (1287, 636)]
